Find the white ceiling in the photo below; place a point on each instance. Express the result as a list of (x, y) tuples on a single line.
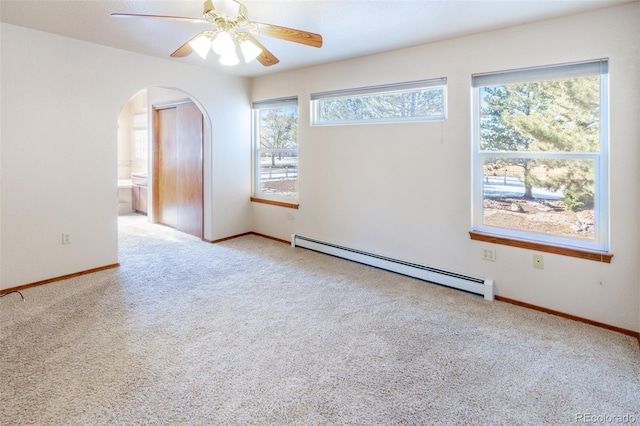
[(350, 28)]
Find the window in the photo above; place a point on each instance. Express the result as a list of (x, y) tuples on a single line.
[(140, 137), (275, 140), (411, 101), (540, 169)]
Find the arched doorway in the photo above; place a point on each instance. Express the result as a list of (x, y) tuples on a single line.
[(160, 175)]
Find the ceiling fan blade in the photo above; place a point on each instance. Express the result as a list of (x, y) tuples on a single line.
[(289, 34), (186, 49), (175, 18), (243, 13), (182, 51), (266, 58)]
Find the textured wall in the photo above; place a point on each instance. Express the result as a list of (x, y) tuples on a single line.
[(60, 104), (404, 190)]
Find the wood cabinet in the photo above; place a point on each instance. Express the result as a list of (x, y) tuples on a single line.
[(139, 198)]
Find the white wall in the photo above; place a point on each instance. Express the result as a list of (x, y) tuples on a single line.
[(60, 104), (418, 208)]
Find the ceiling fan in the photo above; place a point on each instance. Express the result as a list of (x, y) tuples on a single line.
[(232, 29)]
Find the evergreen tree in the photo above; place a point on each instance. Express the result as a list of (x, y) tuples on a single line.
[(547, 116), (396, 105), (501, 104)]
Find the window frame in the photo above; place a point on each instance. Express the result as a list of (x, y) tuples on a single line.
[(361, 92), (600, 245), (257, 194)]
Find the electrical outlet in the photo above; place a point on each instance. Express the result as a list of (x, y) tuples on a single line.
[(290, 216), (538, 261), (489, 254), (66, 238)]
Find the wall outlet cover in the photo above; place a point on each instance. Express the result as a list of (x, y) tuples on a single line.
[(538, 261), (489, 254)]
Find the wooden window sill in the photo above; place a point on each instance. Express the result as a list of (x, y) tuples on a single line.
[(276, 203), (565, 251)]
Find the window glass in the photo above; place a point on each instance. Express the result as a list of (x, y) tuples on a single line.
[(140, 138), (276, 149), (411, 101), (540, 158)]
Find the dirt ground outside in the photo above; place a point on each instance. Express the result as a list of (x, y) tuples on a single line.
[(287, 187), (542, 216)]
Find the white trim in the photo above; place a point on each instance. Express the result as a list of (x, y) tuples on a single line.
[(275, 103), (408, 86), (551, 72)]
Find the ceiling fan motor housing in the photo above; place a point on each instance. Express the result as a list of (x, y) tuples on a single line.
[(228, 10)]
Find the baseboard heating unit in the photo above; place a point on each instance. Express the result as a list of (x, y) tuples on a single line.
[(480, 286)]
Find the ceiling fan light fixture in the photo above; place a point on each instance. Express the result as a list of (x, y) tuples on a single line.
[(201, 46), (223, 44), (229, 59), (229, 29), (249, 50)]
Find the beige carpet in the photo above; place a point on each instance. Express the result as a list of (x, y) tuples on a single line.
[(252, 331)]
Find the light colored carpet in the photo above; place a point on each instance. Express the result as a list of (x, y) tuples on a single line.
[(252, 331)]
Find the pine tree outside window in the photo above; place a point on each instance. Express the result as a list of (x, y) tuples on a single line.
[(540, 155), (420, 100)]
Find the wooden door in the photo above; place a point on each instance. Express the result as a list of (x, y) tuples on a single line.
[(167, 168), (189, 179), (178, 168)]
